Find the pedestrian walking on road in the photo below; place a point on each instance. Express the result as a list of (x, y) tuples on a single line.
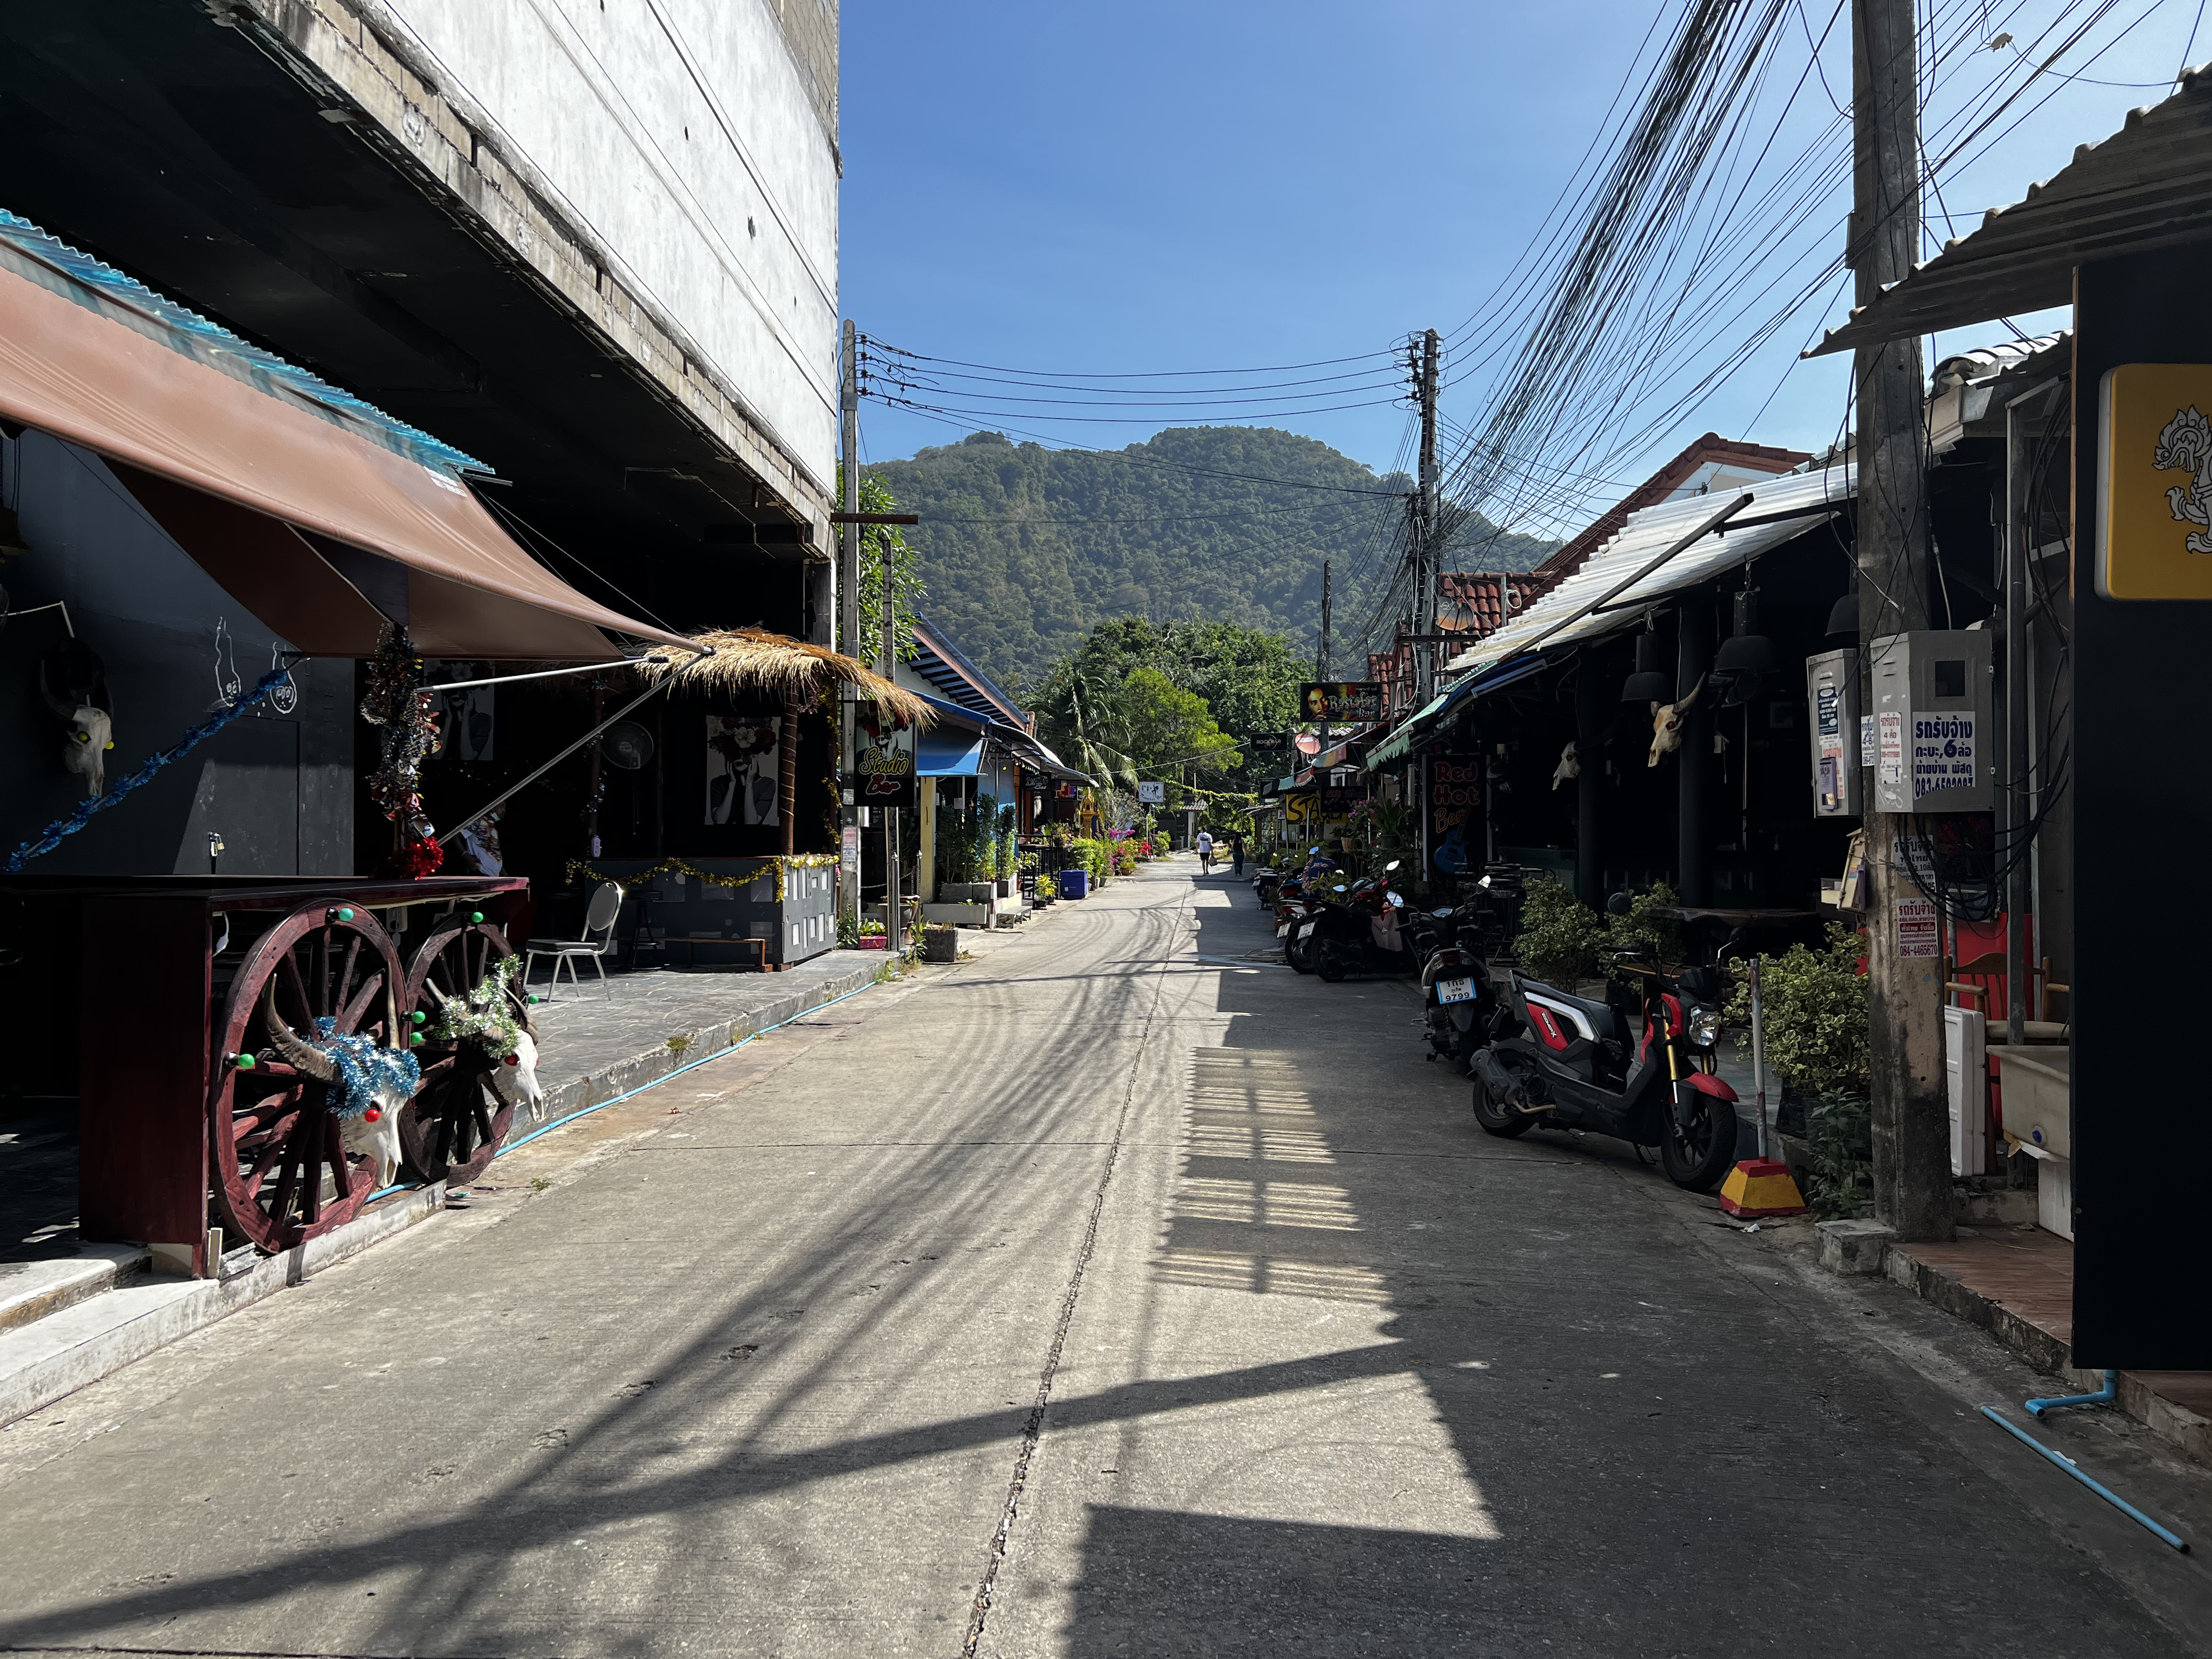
[(1205, 853), (1237, 851)]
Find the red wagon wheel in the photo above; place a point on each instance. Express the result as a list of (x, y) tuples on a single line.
[(457, 1122), (279, 1172)]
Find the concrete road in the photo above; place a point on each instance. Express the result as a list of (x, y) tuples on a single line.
[(1106, 1294)]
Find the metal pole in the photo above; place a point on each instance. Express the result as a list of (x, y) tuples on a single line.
[(1758, 1061), (2016, 815), (509, 794), (849, 636), (1911, 1118)]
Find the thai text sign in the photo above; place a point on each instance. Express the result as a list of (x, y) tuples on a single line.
[(1943, 752)]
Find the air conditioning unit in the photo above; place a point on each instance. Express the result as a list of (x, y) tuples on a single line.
[(1931, 722)]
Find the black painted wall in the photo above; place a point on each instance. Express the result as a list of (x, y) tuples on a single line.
[(2143, 796)]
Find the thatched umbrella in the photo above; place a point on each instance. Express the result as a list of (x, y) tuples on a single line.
[(755, 660)]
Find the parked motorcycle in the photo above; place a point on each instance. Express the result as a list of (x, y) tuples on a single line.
[(1459, 1004), (1567, 1061), (1356, 930)]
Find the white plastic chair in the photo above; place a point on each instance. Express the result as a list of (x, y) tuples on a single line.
[(599, 918)]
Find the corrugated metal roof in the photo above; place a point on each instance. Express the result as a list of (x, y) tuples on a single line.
[(2149, 186), (1781, 509)]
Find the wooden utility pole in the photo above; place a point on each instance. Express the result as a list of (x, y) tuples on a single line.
[(1428, 550), (1911, 1124), (849, 636)]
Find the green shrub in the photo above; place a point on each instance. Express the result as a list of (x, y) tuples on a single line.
[(1560, 939), (1641, 926), (1839, 1126), (1814, 1004)]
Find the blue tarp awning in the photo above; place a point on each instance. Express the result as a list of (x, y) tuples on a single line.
[(948, 752)]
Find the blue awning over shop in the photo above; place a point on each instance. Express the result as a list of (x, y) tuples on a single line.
[(948, 752), (1417, 732)]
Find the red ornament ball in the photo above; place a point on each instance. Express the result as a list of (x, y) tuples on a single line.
[(372, 1114)]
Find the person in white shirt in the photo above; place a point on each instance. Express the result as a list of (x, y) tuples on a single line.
[(1205, 853)]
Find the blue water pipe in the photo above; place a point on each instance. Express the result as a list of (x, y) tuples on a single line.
[(617, 1100), (2103, 1396), (2164, 1535)]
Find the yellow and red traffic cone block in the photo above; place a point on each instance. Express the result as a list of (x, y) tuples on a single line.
[(1761, 1187)]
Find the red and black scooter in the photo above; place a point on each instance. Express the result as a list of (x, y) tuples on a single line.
[(1566, 1060)]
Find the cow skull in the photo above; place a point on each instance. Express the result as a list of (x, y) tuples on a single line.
[(1667, 722), (516, 1080), (1571, 766), (85, 744), (367, 1129)]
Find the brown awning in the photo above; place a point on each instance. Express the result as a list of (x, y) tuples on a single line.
[(311, 518)]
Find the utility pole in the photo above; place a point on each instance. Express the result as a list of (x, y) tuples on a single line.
[(894, 932), (1912, 1129), (849, 638), (1320, 657), (1428, 552)]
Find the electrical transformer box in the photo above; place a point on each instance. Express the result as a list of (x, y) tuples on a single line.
[(1931, 722), (1832, 697)]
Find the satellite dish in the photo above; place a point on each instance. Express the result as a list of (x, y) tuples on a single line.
[(627, 745)]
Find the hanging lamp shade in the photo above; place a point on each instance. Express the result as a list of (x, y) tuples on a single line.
[(1747, 651), (1843, 619), (1649, 682)]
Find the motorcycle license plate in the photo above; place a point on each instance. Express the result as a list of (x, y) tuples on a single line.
[(1455, 990), (1306, 929), (1283, 931)]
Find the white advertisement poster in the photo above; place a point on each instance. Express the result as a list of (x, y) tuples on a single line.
[(1916, 933), (1889, 747), (1943, 752)]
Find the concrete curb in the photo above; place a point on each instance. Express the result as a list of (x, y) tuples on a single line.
[(622, 1076), (41, 1362), (2175, 1424)]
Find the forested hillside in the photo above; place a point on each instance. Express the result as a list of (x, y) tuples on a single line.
[(1024, 548)]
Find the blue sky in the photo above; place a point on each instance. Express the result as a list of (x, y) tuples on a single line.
[(1151, 186)]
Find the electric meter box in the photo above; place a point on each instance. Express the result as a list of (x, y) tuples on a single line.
[(1832, 700), (1931, 722)]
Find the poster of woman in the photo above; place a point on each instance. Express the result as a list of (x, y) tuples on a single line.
[(744, 773)]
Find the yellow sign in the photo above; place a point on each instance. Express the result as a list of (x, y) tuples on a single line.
[(2155, 478), (1298, 809)]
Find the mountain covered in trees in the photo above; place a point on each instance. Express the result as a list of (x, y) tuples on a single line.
[(1024, 548)]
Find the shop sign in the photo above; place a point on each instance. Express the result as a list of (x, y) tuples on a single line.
[(2155, 457), (1152, 794), (883, 765), (1298, 809), (1916, 933), (1341, 701)]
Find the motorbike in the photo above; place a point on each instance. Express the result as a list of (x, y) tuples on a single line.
[(1267, 887), (1292, 907), (1356, 930), (1459, 1003), (1568, 1061)]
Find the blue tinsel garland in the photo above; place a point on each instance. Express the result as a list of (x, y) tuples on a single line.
[(62, 828), (364, 1067)]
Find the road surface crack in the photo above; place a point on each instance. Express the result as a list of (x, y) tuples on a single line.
[(1033, 1427)]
